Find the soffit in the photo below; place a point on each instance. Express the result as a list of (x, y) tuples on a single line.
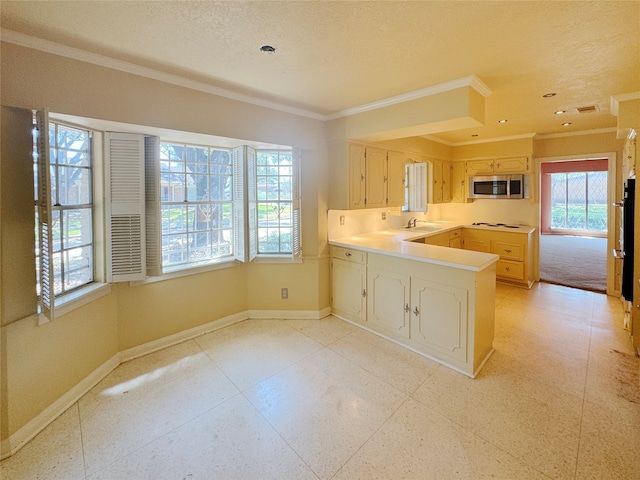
[(332, 56)]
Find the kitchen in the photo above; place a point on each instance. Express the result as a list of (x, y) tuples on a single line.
[(133, 318)]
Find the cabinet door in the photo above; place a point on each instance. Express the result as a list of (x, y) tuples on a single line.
[(436, 181), (458, 193), (511, 165), (388, 302), (446, 182), (440, 239), (376, 176), (455, 242), (357, 172), (477, 242), (348, 289), (395, 179), (439, 318), (480, 167)]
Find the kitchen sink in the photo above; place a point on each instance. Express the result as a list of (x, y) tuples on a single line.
[(425, 228)]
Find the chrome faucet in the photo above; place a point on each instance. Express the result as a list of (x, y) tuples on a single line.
[(412, 222)]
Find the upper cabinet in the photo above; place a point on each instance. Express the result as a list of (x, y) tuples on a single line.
[(440, 181), (497, 166), (376, 177), (458, 182)]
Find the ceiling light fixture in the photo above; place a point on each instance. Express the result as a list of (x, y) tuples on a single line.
[(548, 95), (566, 124), (502, 121), (560, 112), (267, 49)]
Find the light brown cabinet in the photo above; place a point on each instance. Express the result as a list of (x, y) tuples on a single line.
[(376, 177), (515, 250), (441, 311), (498, 166), (349, 283), (458, 182), (440, 181)]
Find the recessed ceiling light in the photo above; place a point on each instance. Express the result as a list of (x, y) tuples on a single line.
[(502, 121), (548, 95), (566, 124), (560, 112), (267, 49)]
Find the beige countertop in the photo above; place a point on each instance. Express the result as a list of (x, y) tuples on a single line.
[(398, 243)]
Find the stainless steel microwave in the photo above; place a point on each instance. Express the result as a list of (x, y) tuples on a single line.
[(499, 186)]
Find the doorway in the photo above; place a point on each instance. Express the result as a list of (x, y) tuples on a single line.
[(576, 225)]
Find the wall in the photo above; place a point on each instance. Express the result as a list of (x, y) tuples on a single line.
[(524, 211), (44, 362)]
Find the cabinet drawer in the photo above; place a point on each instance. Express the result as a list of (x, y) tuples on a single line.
[(349, 254), (453, 234), (509, 251), (509, 269)]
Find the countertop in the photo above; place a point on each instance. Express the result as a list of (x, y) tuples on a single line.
[(399, 243)]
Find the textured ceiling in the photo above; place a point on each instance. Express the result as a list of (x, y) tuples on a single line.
[(334, 55)]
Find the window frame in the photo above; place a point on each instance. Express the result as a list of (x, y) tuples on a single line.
[(294, 254), (212, 260), (52, 305)]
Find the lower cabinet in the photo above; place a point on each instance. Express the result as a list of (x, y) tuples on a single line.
[(515, 251), (439, 318), (349, 284), (389, 302), (445, 313)]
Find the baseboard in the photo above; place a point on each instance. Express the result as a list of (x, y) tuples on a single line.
[(155, 345), (15, 442), (291, 314)]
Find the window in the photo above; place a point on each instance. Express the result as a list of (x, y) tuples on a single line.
[(579, 201), (275, 201), (196, 204), (67, 201)]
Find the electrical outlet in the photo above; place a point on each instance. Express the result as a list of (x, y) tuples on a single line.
[(341, 219), (284, 293), (384, 215)]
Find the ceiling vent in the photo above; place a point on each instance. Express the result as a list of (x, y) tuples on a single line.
[(587, 109)]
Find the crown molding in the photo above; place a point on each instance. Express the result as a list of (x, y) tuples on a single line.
[(469, 81), (54, 48), (616, 99), (576, 134)]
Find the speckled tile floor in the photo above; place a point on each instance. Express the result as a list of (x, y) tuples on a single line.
[(307, 399)]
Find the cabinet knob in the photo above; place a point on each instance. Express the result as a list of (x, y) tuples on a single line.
[(364, 293), (416, 312), (507, 250), (347, 254), (507, 269), (407, 308)]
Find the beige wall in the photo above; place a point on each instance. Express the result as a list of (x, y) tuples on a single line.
[(40, 364)]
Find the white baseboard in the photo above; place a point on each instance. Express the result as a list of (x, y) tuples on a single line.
[(15, 442), (290, 314), (150, 347)]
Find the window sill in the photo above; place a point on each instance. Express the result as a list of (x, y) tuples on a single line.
[(277, 259), (71, 301), (186, 271)]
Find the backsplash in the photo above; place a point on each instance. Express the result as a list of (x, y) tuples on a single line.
[(522, 212), (370, 220)]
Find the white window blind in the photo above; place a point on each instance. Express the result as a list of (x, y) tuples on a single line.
[(125, 207), (45, 218), (244, 212)]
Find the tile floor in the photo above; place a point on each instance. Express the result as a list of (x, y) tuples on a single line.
[(307, 399)]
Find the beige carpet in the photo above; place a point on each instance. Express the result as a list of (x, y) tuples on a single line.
[(579, 262)]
